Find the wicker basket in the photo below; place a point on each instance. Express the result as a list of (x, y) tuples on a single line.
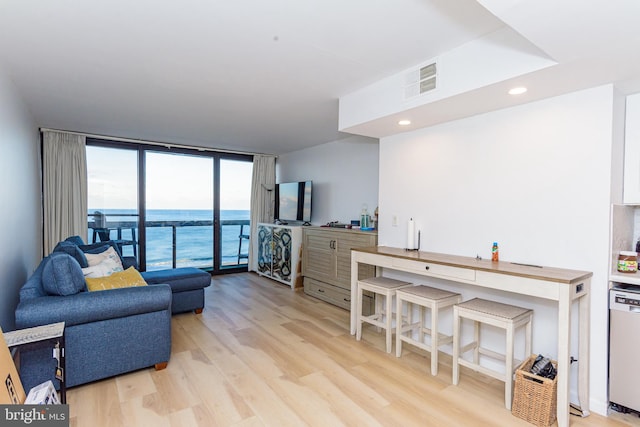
[(535, 397)]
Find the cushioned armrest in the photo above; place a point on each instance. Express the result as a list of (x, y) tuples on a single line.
[(87, 307)]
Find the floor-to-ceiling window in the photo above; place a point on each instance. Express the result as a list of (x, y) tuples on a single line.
[(113, 196), (182, 207), (178, 210), (235, 195)]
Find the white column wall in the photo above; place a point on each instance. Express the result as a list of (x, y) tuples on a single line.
[(20, 197), (536, 179)]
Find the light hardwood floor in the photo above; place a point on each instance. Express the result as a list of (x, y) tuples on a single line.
[(263, 355)]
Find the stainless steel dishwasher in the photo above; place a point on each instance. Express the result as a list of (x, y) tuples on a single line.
[(624, 347)]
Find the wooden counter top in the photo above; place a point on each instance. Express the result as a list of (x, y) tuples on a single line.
[(550, 274)]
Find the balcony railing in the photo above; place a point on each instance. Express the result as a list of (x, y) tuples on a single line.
[(126, 235)]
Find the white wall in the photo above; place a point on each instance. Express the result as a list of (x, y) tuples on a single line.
[(535, 178), (344, 175), (20, 196), (498, 56)]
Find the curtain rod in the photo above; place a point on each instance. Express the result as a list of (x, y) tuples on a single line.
[(162, 144)]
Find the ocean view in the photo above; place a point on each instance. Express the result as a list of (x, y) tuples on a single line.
[(194, 243)]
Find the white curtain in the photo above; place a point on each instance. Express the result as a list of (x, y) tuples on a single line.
[(64, 169), (263, 185)]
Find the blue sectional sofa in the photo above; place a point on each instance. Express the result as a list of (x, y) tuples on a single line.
[(107, 332), (187, 283)]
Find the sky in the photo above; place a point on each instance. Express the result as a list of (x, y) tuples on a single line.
[(173, 181)]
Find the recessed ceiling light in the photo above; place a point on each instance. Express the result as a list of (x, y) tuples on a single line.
[(404, 122), (517, 90)]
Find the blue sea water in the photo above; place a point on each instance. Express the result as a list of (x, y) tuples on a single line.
[(194, 244)]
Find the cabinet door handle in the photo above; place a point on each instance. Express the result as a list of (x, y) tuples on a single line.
[(347, 299), (426, 267), (321, 290)]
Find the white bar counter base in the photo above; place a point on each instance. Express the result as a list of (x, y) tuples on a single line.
[(556, 284)]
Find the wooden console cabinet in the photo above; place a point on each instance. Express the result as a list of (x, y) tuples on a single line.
[(278, 253), (326, 263)]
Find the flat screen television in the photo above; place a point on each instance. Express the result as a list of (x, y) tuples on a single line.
[(293, 202)]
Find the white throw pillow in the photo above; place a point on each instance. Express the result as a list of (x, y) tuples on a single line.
[(95, 259), (105, 268)]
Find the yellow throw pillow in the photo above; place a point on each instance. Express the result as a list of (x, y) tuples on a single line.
[(122, 279)]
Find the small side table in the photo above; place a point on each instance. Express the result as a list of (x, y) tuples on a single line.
[(38, 337)]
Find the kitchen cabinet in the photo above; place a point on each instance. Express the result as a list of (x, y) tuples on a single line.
[(326, 263), (631, 186), (278, 253)]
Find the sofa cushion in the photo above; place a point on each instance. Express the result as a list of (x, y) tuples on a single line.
[(106, 267), (123, 279), (33, 288), (72, 249), (62, 275), (98, 247), (127, 261), (76, 240), (180, 279), (109, 254)]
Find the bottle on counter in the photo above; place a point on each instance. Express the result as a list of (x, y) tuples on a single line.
[(374, 223), (364, 218), (494, 252)]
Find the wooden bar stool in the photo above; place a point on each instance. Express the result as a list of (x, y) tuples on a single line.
[(505, 316), (425, 297), (382, 318)]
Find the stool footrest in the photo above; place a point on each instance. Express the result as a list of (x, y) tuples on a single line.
[(373, 320), (472, 345), (483, 370), (442, 340), (410, 327), (492, 354)]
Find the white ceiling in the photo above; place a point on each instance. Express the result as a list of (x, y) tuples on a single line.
[(265, 75)]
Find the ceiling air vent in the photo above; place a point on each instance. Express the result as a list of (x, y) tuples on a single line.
[(421, 81)]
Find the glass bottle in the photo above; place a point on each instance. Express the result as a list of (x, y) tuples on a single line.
[(364, 218)]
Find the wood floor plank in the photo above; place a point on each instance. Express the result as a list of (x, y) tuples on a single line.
[(222, 402), (147, 410), (181, 340), (135, 384), (274, 351), (341, 403), (173, 385), (340, 348), (97, 402), (305, 401), (263, 355), (257, 394)]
